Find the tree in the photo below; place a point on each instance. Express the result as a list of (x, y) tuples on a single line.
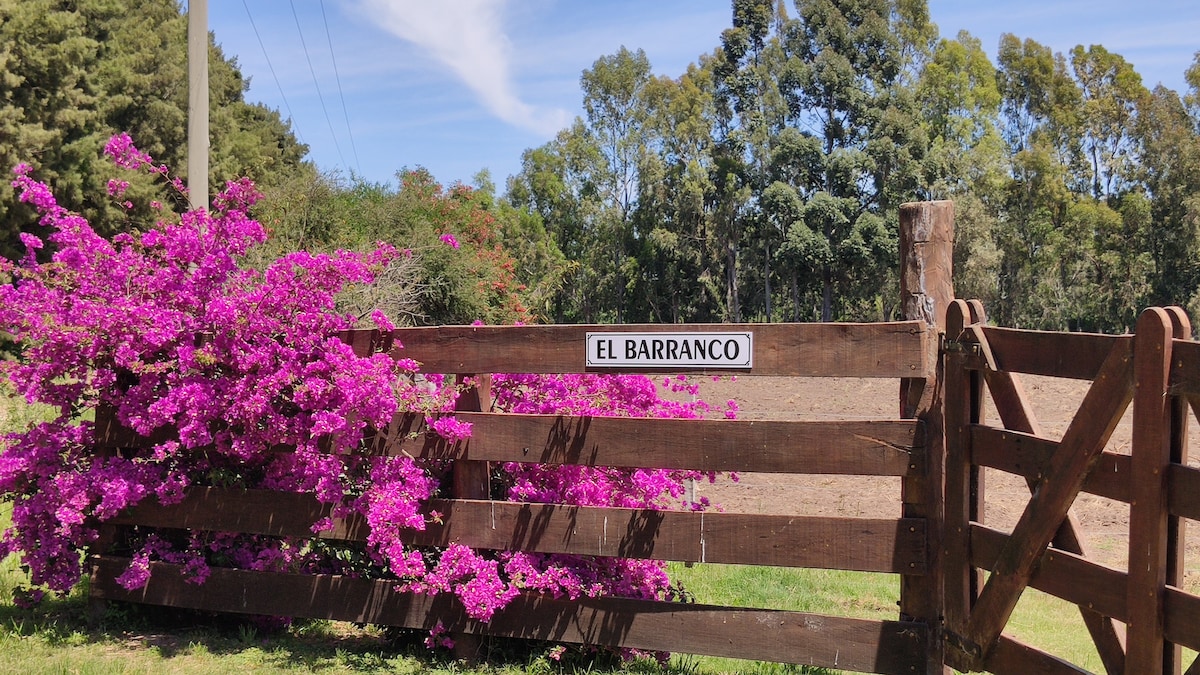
[(842, 84), (75, 73), (1170, 163), (1111, 90)]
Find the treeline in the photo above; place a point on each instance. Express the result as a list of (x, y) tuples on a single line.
[(763, 183)]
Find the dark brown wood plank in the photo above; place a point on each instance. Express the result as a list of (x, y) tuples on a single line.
[(876, 545), (1177, 443), (1185, 368), (1182, 618), (1029, 456), (865, 447), (266, 512), (792, 637), (1072, 355), (1183, 484), (1061, 574), (895, 349), (962, 393), (1013, 656), (855, 447), (1083, 441), (1151, 453)]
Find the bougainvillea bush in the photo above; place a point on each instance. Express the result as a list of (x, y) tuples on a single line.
[(169, 328)]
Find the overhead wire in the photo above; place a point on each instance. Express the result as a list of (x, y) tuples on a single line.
[(263, 47), (320, 97), (341, 95)]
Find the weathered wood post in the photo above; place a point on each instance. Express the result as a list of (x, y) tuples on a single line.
[(926, 291)]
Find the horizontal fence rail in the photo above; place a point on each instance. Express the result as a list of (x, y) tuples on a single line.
[(887, 350), (853, 447), (862, 645), (872, 545)]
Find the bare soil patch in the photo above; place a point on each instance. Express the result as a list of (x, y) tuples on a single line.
[(1104, 522)]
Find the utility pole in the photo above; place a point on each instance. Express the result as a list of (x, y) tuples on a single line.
[(197, 104)]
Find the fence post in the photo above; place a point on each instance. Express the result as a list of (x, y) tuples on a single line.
[(471, 480), (926, 291), (1153, 423)]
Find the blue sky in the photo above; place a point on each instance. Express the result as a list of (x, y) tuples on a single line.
[(456, 86)]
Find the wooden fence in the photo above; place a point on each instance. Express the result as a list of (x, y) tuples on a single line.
[(868, 448), (1138, 618)]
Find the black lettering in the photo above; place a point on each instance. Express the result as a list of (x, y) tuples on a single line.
[(672, 349), (712, 349), (701, 352), (736, 350), (630, 349), (643, 350), (685, 350), (656, 350)]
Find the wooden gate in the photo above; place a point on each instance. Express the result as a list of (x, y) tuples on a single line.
[(876, 448), (1137, 619)]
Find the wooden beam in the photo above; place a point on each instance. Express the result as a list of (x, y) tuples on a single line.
[(962, 393), (1076, 356), (1151, 453), (1065, 575), (1183, 484), (1013, 656), (926, 291), (1029, 456), (863, 645), (897, 349), (862, 447), (1177, 442), (865, 544)]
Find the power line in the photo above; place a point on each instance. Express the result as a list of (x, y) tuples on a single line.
[(317, 85), (263, 47), (341, 95)]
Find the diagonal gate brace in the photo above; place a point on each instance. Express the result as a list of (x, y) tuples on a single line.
[(1081, 445)]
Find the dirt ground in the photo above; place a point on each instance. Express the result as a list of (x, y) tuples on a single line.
[(1054, 400)]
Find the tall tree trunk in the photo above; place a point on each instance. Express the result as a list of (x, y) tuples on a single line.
[(733, 306), (826, 295), (767, 280)]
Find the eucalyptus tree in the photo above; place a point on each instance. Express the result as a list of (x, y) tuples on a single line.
[(1170, 172), (960, 101), (844, 84), (1111, 92), (747, 69), (674, 222)]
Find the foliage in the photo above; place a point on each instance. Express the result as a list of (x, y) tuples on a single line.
[(503, 268), (73, 74), (171, 330), (762, 183)]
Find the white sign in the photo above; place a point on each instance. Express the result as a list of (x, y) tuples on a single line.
[(670, 350)]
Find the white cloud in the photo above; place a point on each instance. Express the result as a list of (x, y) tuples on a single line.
[(468, 38)]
